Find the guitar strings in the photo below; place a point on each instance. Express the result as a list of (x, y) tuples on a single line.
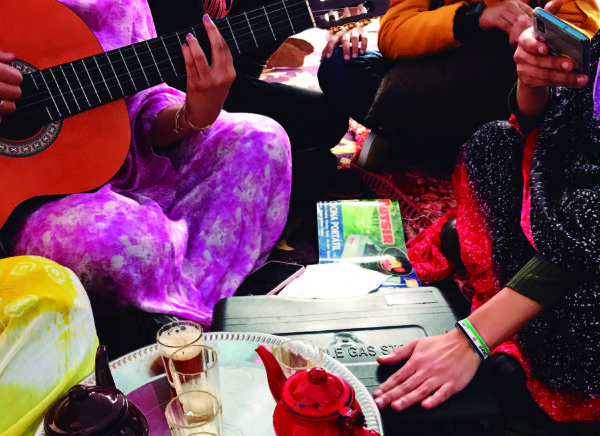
[(161, 59), (70, 99), (233, 24)]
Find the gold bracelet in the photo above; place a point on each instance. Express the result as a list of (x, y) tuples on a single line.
[(177, 129), (195, 128), (349, 26)]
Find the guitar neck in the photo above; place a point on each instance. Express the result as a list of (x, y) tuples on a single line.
[(68, 89)]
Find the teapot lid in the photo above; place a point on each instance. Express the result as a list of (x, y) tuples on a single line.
[(317, 394), (87, 411)]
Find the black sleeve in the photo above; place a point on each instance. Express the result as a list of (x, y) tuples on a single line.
[(466, 22), (543, 281)]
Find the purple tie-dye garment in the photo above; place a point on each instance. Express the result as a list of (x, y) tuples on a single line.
[(171, 233)]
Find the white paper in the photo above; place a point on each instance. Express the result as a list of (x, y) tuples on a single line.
[(334, 280)]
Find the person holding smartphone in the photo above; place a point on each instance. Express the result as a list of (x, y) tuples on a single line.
[(528, 196), (443, 69)]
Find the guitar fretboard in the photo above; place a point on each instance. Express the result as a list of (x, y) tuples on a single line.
[(68, 89)]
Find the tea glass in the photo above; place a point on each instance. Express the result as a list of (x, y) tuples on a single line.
[(194, 412), (297, 355), (195, 368), (175, 335)]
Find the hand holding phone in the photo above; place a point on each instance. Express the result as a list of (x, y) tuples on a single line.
[(562, 39)]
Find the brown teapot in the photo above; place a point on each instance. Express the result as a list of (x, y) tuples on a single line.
[(100, 410)]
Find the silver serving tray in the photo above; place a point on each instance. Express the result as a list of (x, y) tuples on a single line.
[(247, 402)]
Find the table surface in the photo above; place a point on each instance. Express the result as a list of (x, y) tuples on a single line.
[(247, 401)]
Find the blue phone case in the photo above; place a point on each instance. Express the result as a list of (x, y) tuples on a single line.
[(563, 39)]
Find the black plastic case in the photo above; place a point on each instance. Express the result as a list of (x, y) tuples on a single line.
[(356, 330)]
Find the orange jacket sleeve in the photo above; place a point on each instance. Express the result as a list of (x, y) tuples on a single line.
[(409, 29)]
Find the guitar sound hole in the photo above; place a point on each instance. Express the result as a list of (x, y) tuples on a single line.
[(20, 130)]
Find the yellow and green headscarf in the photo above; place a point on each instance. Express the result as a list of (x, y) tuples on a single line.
[(47, 339)]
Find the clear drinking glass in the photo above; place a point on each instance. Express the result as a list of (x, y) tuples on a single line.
[(175, 335), (195, 368), (194, 412), (296, 355)]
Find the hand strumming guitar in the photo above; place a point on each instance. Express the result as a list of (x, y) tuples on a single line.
[(10, 81), (207, 88)]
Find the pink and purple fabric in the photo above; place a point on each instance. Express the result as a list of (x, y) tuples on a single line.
[(171, 232)]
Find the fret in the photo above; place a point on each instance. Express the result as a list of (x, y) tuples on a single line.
[(134, 67), (62, 94), (141, 65), (51, 97), (87, 71), (69, 85), (289, 18), (128, 71), (115, 75), (80, 85), (97, 79), (232, 35), (179, 38), (32, 75), (95, 58), (34, 100), (162, 40), (163, 60), (242, 30), (260, 22), (154, 60), (278, 16), (250, 27), (269, 23)]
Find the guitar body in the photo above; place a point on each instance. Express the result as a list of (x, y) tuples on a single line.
[(77, 154)]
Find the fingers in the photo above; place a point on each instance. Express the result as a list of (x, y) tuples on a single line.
[(363, 43), (330, 46), (6, 57), (398, 355), (536, 77), (353, 43), (220, 54), (195, 60), (504, 15), (536, 68), (346, 45), (553, 6), (9, 75), (10, 81), (412, 392), (7, 106), (529, 43), (356, 44), (439, 396), (525, 8)]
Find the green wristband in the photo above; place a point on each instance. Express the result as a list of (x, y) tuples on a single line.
[(473, 336)]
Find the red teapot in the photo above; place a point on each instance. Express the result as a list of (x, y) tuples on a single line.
[(95, 410), (312, 402)]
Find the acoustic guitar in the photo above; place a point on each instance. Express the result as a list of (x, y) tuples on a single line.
[(70, 132)]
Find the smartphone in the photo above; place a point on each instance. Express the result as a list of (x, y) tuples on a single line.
[(563, 39), (269, 278)]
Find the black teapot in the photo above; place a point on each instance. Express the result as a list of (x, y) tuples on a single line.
[(100, 410)]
